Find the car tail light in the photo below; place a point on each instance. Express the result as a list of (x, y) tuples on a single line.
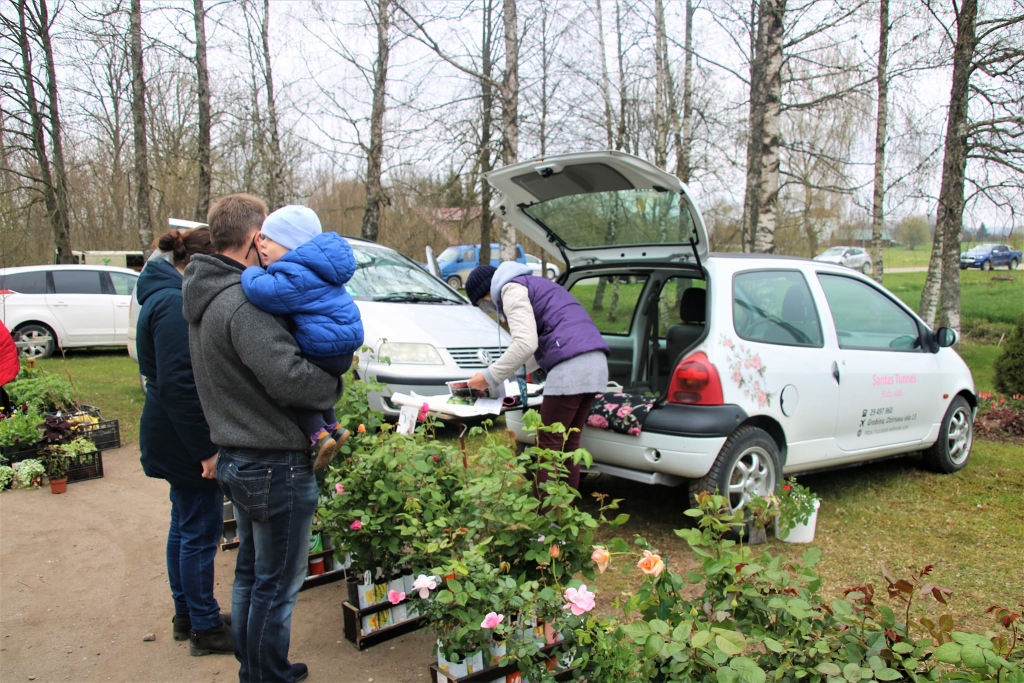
[(695, 381), (5, 292)]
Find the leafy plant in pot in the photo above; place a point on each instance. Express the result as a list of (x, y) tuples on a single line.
[(59, 456), (761, 511), (798, 511)]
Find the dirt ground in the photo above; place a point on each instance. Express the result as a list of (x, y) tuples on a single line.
[(83, 580)]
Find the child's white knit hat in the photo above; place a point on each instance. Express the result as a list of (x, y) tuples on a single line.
[(292, 226)]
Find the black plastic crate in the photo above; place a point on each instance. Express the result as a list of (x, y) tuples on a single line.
[(13, 454), (106, 434), (88, 466)]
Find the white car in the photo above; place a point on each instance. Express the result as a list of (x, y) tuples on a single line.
[(756, 366), (422, 332), (65, 306), (535, 265), (851, 257)]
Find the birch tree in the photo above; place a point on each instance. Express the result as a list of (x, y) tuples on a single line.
[(881, 123), (205, 116), (141, 142), (375, 198), (510, 114)]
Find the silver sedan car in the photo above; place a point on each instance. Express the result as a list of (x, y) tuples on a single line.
[(851, 257)]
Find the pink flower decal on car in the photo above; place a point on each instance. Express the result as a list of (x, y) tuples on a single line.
[(747, 371)]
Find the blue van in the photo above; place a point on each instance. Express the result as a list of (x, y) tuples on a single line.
[(457, 262)]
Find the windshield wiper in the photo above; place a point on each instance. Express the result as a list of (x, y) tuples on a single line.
[(406, 297)]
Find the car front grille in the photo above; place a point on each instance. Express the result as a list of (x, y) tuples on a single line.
[(477, 357)]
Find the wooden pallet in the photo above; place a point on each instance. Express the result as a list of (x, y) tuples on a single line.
[(510, 672), (354, 624)]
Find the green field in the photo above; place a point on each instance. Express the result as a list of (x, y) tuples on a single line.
[(993, 296), (899, 257)]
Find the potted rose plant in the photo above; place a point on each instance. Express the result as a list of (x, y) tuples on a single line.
[(798, 513)]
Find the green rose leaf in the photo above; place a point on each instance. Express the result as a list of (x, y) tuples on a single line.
[(829, 669), (973, 656), (904, 648), (729, 642), (748, 670), (702, 638), (948, 653), (888, 674), (773, 645), (653, 645)]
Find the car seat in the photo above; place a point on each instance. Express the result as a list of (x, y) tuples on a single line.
[(693, 314), (798, 311)]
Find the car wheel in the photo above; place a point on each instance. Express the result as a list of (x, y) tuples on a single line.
[(1013, 264), (951, 451), (551, 274), (748, 465), (142, 382), (455, 282), (987, 265), (35, 341), (866, 268)]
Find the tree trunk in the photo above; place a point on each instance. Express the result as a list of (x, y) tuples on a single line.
[(605, 80), (205, 117), (681, 129), (375, 154), (954, 164), (486, 123), (55, 212), (510, 114), (275, 185), (142, 210), (767, 218), (881, 121), (755, 128), (930, 294), (661, 105)]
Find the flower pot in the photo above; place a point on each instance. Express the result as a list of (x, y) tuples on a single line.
[(316, 566), (756, 536), (475, 662), (59, 485), (408, 578), (801, 533), (455, 669), (352, 584), (497, 651), (551, 636)]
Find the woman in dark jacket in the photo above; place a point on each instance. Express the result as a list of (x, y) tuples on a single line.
[(175, 443)]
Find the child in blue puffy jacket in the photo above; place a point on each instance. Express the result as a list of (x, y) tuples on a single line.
[(305, 276)]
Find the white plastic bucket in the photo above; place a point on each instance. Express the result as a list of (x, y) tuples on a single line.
[(801, 533)]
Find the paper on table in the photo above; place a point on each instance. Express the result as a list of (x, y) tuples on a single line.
[(491, 405)]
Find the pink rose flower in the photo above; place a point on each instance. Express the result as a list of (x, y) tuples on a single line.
[(580, 600), (762, 399), (339, 488), (492, 620), (601, 557), (755, 363), (737, 376), (356, 525), (597, 421), (424, 584), (624, 411), (727, 343), (394, 597)]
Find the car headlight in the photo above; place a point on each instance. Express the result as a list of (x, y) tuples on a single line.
[(410, 354)]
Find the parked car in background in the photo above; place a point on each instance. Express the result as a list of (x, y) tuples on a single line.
[(742, 368), (65, 306), (458, 262), (421, 331), (535, 264), (123, 259), (989, 256), (851, 257)]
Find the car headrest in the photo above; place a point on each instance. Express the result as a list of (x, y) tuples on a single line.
[(797, 306), (693, 305)]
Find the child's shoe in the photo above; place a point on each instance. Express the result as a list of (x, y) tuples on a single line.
[(324, 451)]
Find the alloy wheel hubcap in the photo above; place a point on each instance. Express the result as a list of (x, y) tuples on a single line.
[(959, 436), (753, 475), (33, 344)]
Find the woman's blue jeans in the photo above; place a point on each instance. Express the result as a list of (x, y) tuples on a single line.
[(275, 495), (197, 524)]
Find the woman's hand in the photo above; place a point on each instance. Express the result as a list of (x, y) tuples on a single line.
[(478, 381)]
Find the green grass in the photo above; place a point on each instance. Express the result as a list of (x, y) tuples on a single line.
[(890, 513), (994, 297), (979, 358), (901, 257), (107, 379)]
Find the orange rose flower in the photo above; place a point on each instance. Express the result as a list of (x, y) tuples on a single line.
[(601, 557), (554, 552), (361, 429), (651, 564)]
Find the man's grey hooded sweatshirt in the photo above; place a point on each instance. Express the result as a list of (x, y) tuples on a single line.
[(248, 369)]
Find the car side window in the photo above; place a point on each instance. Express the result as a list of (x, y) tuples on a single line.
[(610, 301), (25, 283), (123, 284), (77, 282), (775, 307), (865, 318), (673, 310)]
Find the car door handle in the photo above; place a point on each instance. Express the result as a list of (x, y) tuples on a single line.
[(125, 305), (60, 303), (835, 371)]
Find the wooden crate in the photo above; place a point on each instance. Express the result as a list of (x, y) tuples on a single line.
[(509, 672), (354, 624)]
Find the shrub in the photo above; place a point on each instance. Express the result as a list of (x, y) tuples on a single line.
[(41, 391), (1009, 365)]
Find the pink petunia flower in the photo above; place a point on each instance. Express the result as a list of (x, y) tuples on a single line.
[(339, 488), (356, 525), (394, 597), (492, 620), (579, 600)]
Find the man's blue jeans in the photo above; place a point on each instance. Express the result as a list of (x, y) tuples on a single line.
[(197, 524), (275, 495)]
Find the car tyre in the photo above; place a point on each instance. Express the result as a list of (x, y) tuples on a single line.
[(748, 465), (953, 448), (866, 268), (42, 340), (987, 265), (1013, 264), (551, 274), (455, 282)]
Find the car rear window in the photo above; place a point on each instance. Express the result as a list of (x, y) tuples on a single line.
[(775, 307), (25, 283), (77, 282)]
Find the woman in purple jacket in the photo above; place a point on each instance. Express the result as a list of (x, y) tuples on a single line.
[(552, 331)]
